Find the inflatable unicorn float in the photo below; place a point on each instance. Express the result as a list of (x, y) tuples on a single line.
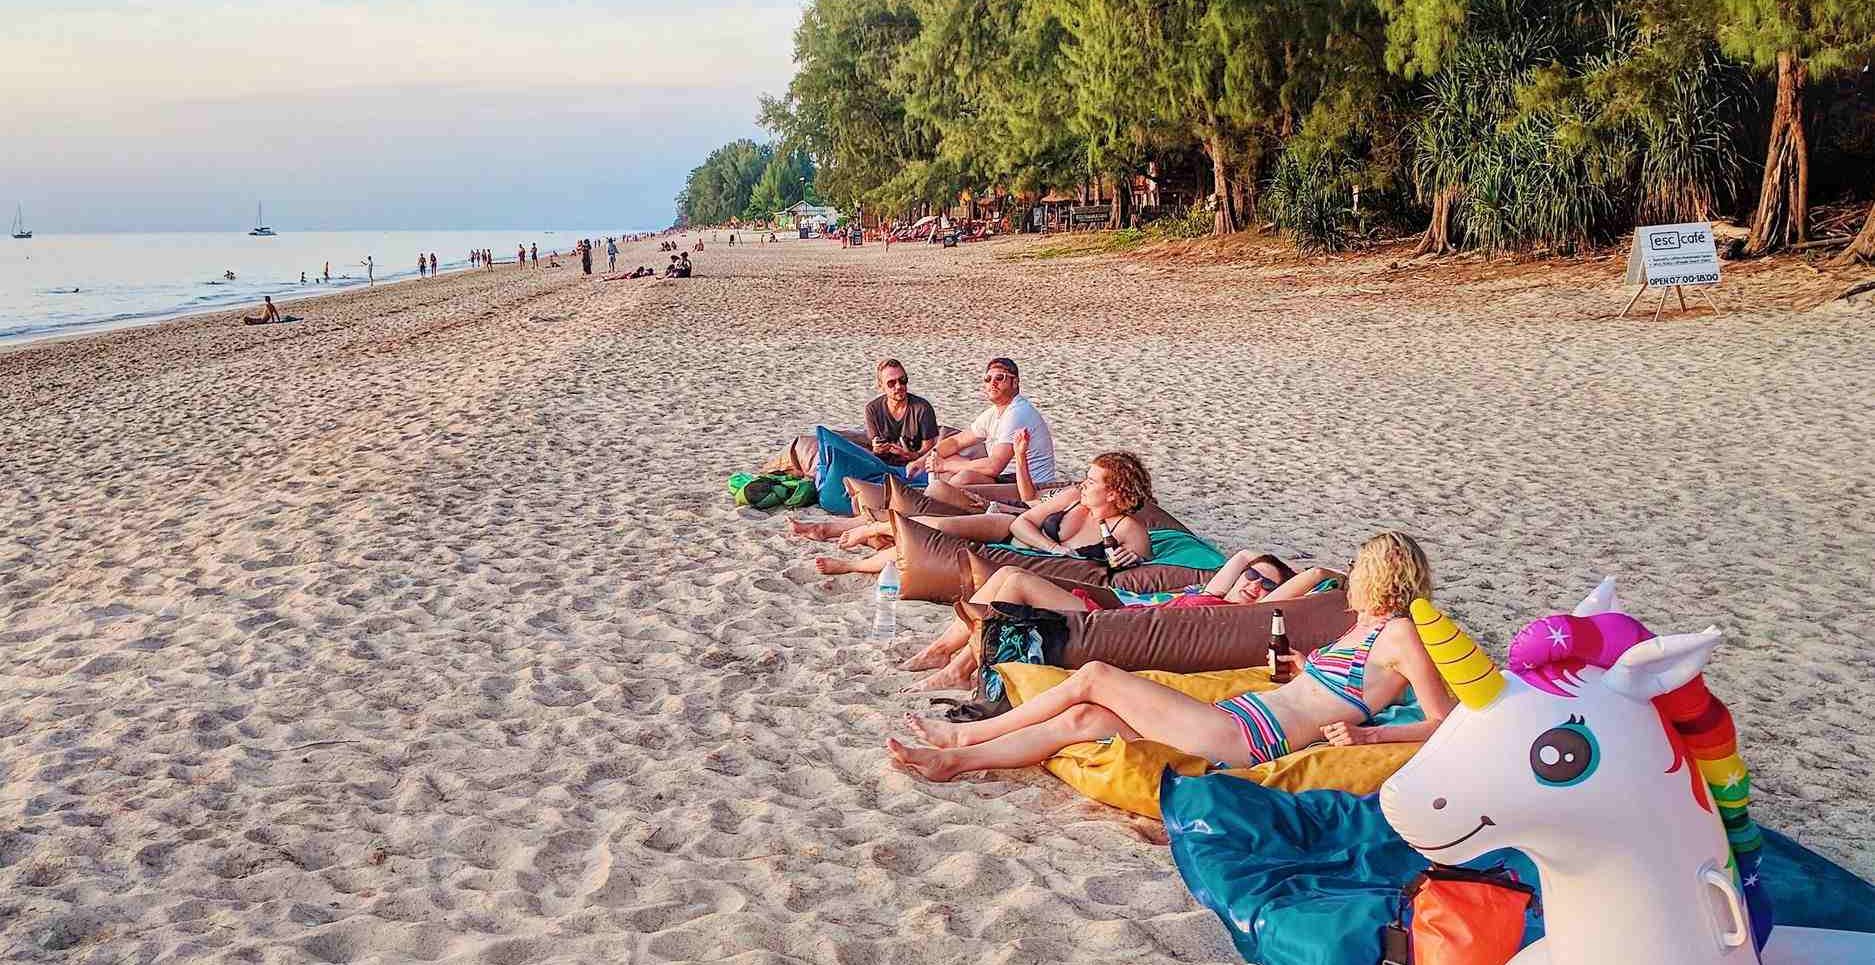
[(1600, 754)]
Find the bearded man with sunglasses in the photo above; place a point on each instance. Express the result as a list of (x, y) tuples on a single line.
[(902, 427), (1009, 412)]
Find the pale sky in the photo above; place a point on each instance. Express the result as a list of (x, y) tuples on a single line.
[(181, 115)]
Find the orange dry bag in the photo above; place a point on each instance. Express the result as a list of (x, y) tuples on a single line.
[(1464, 917)]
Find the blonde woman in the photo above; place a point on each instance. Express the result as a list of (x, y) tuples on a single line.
[(1337, 690)]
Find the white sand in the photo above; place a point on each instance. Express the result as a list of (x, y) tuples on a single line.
[(425, 629)]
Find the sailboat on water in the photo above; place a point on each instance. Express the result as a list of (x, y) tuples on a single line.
[(260, 223), (19, 223)]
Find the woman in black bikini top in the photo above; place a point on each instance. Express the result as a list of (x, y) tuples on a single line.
[(1069, 522)]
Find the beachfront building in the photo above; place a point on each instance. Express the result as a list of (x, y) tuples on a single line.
[(802, 214)]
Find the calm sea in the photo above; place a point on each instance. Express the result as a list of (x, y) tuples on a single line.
[(60, 284)]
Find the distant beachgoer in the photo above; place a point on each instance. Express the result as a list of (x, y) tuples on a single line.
[(371, 268), (611, 255), (268, 314), (229, 274), (520, 255), (535, 249), (328, 271), (423, 266), (432, 264), (302, 278)]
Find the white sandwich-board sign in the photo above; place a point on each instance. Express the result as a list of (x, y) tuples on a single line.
[(1665, 255)]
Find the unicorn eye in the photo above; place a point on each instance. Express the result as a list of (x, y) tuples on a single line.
[(1564, 755)]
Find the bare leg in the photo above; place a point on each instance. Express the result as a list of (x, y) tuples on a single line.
[(1151, 710), (967, 477), (835, 566), (956, 674), (1013, 585), (1030, 745), (944, 492), (932, 657), (864, 534), (825, 531)]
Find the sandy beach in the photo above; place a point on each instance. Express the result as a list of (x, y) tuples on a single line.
[(425, 630)]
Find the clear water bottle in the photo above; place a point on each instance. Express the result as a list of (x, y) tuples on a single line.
[(885, 604)]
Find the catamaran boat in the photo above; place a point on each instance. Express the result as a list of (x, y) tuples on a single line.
[(260, 223)]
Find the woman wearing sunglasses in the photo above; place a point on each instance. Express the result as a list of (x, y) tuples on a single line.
[(1246, 578)]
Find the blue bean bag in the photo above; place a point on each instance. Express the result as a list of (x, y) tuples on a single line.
[(841, 459), (1313, 878)]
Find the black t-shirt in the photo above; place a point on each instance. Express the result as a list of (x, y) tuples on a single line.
[(919, 426)]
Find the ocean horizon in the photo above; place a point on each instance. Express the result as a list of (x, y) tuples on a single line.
[(63, 284)]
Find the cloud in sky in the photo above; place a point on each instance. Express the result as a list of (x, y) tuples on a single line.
[(181, 115)]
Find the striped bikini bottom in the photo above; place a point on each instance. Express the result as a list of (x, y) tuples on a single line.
[(1261, 730)]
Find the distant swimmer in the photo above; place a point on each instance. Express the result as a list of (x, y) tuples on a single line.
[(268, 314), (302, 278), (229, 274)]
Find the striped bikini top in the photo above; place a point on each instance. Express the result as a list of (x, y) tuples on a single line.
[(1343, 670)]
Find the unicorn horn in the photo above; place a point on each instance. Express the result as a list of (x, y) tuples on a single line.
[(1474, 678)]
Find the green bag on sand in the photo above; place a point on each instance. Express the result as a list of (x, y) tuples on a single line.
[(772, 490)]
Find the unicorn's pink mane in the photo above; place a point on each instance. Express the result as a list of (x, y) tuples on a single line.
[(1549, 654)]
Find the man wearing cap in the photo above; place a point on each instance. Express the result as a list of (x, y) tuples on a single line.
[(1009, 412)]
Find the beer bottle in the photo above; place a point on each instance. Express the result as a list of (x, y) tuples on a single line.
[(1110, 544), (1281, 670)]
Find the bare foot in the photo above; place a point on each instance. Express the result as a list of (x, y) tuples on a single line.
[(946, 679), (813, 531), (833, 566), (929, 762), (934, 731), (853, 539), (930, 658)]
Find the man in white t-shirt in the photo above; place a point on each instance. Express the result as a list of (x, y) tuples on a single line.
[(1009, 412)]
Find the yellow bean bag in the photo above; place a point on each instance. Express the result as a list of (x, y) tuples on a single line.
[(1125, 774)]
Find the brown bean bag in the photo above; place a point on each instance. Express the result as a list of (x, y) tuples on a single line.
[(901, 498), (1200, 639), (868, 499), (935, 566)]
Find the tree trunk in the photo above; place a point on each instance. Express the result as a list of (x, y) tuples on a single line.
[(1247, 217), (1438, 237), (1783, 215), (1225, 220), (1862, 247), (1121, 215)]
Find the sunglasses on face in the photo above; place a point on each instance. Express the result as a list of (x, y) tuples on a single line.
[(895, 383), (998, 377), (1266, 582)]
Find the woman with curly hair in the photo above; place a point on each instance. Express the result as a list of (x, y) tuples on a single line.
[(1338, 689), (1066, 523)]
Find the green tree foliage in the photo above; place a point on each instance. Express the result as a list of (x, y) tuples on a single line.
[(1496, 125), (788, 178), (842, 106), (1799, 41), (986, 75), (719, 188)]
